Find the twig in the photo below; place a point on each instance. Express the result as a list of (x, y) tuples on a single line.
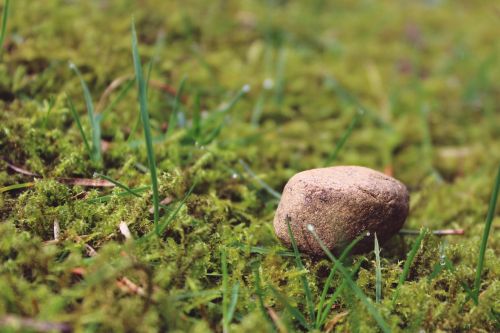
[(166, 88), (21, 170), (15, 322), (112, 87), (89, 182), (442, 232), (277, 320)]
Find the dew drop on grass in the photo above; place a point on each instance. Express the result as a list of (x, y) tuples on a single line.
[(268, 84)]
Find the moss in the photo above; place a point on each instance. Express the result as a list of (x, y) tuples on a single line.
[(424, 73)]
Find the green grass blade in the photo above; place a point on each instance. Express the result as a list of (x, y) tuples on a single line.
[(232, 304), (260, 296), (124, 187), (262, 183), (197, 117), (407, 265), (449, 266), (293, 310), (225, 291), (129, 191), (378, 272), (336, 294), (5, 17), (94, 121), (188, 295), (16, 187), (174, 117), (257, 110), (168, 220), (345, 136), (245, 89), (171, 217), (76, 117), (349, 99), (216, 115), (352, 285), (117, 183), (486, 233), (141, 86), (303, 278), (121, 94), (329, 280)]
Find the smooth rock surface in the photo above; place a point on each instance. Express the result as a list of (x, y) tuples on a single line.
[(341, 203)]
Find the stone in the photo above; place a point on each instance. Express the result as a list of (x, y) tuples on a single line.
[(341, 203)]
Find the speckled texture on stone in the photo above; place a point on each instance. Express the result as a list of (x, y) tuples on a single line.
[(341, 203)]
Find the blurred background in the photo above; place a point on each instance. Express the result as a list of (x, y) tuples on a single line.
[(423, 72), (409, 88)]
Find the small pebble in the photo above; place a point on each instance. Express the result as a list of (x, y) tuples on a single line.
[(341, 203)]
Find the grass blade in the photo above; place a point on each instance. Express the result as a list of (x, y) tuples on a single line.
[(336, 294), (303, 278), (117, 183), (174, 117), (5, 17), (408, 262), (345, 136), (129, 191), (96, 155), (262, 183), (16, 187), (349, 99), (260, 293), (171, 217), (121, 94), (378, 272), (197, 117), (216, 115), (232, 304), (329, 280), (293, 310), (352, 285), (228, 304), (142, 88), (486, 233), (76, 117)]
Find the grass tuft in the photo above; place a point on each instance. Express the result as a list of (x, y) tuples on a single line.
[(322, 309), (486, 233), (378, 272), (352, 285), (96, 153), (142, 88), (303, 278), (407, 265), (76, 117), (229, 301)]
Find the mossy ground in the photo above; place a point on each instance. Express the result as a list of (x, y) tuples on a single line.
[(426, 71)]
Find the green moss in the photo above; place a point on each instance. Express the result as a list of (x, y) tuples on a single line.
[(424, 72)]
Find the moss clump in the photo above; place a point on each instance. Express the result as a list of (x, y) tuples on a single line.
[(424, 73)]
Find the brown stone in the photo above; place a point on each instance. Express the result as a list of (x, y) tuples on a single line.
[(341, 203)]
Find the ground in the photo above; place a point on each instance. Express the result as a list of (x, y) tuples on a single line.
[(270, 88)]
